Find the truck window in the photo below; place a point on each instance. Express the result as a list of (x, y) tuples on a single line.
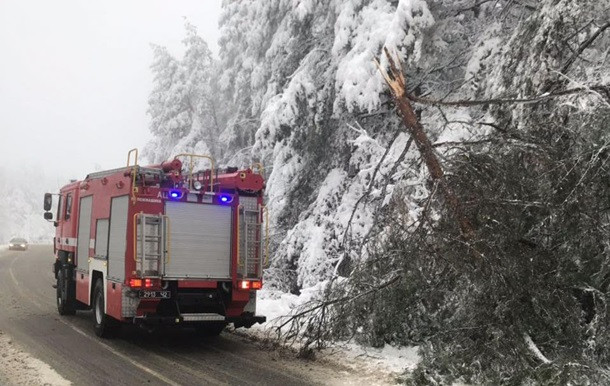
[(68, 205), (59, 207)]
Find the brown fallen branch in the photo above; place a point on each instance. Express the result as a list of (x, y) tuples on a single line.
[(343, 299), (396, 81)]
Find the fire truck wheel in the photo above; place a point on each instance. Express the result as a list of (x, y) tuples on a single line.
[(105, 326), (65, 294), (211, 329)]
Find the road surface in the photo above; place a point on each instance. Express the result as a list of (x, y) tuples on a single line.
[(176, 357)]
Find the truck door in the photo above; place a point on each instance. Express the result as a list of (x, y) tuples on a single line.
[(67, 212), (84, 233), (60, 221), (65, 238)]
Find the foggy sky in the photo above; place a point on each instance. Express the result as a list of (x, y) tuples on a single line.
[(75, 77)]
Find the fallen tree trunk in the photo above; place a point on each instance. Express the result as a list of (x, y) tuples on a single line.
[(396, 82)]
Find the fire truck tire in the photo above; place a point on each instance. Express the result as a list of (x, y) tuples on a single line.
[(105, 326), (211, 329), (66, 297)]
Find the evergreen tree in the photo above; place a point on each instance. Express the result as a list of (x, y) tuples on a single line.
[(352, 204), (183, 109), (169, 105)]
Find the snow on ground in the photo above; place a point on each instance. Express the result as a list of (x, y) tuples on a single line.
[(17, 367), (392, 359), (389, 361)]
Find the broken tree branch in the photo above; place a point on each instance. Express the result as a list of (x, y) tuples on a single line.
[(396, 81), (341, 300), (583, 46), (534, 349), (501, 101)]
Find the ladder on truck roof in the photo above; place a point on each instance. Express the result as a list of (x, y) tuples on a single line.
[(151, 244)]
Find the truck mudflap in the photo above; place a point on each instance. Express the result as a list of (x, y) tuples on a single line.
[(244, 320)]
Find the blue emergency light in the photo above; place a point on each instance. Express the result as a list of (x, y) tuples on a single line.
[(225, 198), (175, 194)]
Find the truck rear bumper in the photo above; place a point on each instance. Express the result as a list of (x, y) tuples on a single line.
[(186, 319)]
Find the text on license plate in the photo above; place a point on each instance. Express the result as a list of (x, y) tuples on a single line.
[(155, 294)]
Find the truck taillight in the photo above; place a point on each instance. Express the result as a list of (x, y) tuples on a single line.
[(135, 283), (246, 285), (139, 283)]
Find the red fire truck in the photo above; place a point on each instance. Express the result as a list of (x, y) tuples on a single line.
[(161, 245)]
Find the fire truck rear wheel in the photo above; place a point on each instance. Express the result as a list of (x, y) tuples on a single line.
[(105, 326), (65, 294)]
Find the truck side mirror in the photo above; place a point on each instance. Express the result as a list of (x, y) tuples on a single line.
[(48, 216), (48, 203)]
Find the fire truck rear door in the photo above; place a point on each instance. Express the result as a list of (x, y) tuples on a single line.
[(200, 240)]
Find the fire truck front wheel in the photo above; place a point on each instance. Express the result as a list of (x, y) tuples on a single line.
[(66, 297), (105, 326)]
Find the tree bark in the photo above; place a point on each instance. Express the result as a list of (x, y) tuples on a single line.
[(397, 84)]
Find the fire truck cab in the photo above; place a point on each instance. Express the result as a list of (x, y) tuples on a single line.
[(161, 245)]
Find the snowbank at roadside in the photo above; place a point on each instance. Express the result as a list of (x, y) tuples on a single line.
[(276, 305), (17, 367), (390, 359)]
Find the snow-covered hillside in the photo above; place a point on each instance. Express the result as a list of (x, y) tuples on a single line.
[(353, 204)]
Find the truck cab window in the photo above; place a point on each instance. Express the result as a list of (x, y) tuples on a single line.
[(68, 206)]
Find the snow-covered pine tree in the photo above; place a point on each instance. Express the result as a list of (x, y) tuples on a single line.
[(524, 299), (349, 197), (301, 75), (185, 117), (199, 68), (169, 105)]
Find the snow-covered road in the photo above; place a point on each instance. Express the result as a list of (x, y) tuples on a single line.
[(69, 346)]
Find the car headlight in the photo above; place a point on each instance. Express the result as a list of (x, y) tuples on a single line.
[(11, 245), (22, 245)]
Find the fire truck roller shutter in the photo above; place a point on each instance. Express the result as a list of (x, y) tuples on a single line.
[(117, 240), (101, 238), (200, 240), (84, 233)]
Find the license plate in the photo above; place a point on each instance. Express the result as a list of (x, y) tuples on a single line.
[(155, 294)]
